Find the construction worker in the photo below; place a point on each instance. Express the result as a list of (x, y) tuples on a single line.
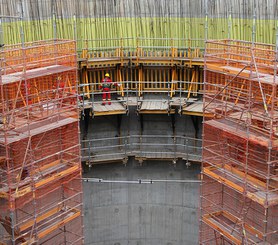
[(106, 84)]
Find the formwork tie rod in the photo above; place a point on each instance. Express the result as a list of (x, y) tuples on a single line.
[(139, 181)]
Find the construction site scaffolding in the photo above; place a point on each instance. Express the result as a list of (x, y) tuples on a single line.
[(239, 191), (40, 171)]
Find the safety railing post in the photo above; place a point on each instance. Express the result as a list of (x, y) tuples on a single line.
[(122, 52), (175, 149), (92, 99), (125, 150), (137, 50), (180, 83), (140, 147), (83, 103), (137, 95), (86, 55), (168, 95), (187, 152), (89, 153), (172, 51), (127, 94)]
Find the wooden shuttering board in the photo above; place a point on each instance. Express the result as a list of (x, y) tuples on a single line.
[(114, 108), (196, 109), (181, 101), (193, 109), (154, 106)]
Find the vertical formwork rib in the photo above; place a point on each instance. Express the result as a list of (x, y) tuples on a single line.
[(239, 197), (40, 170)]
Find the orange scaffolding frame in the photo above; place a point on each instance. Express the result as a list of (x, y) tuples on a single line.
[(40, 180), (239, 191)]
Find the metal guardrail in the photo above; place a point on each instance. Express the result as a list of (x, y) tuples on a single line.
[(134, 91), (142, 147)]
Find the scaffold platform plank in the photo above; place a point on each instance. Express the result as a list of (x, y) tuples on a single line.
[(155, 107), (191, 61), (42, 176), (231, 227), (36, 128), (181, 101), (244, 73), (254, 188), (118, 157), (114, 108), (241, 132), (49, 221), (35, 73), (194, 109)]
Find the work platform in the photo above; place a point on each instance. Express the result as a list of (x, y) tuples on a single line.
[(144, 147), (150, 105), (172, 67), (193, 109), (231, 227), (98, 109), (155, 107)]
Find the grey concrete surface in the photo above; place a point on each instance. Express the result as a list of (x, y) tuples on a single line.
[(106, 126), (162, 213), (147, 136)]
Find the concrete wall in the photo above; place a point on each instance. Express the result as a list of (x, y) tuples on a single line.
[(141, 214), (146, 214), (144, 136), (106, 126)]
